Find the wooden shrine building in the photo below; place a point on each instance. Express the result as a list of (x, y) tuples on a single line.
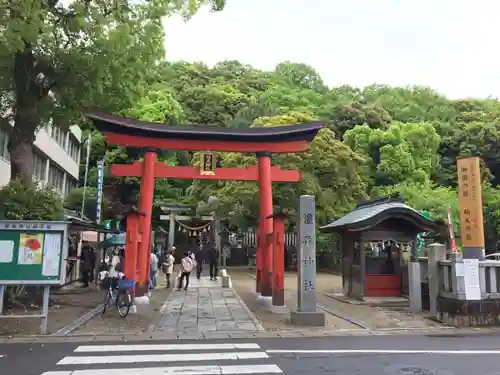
[(377, 240)]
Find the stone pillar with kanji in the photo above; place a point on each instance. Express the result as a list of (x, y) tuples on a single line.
[(307, 313)]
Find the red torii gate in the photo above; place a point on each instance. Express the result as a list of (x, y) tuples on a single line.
[(263, 141)]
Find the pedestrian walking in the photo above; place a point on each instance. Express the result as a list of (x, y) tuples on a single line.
[(197, 254), (168, 265), (88, 266), (153, 271), (187, 265), (212, 262)]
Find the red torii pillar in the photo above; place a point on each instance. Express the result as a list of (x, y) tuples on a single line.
[(266, 222), (146, 196), (279, 260), (258, 261), (133, 239)]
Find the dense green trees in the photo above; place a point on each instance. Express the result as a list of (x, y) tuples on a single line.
[(378, 140), (59, 57)]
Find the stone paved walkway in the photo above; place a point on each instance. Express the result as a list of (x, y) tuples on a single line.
[(206, 307)]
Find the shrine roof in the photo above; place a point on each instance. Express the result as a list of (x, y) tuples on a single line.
[(369, 214), (124, 125)]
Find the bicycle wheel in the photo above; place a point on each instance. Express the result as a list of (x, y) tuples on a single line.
[(123, 303), (107, 302)]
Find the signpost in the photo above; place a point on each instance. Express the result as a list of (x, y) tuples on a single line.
[(100, 172), (471, 207), (420, 236), (208, 163), (32, 253), (307, 314)]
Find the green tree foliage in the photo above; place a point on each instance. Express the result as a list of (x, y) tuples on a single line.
[(330, 171), (402, 152), (22, 201), (59, 57), (378, 140), (75, 198)]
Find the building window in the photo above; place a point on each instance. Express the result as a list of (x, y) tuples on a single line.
[(4, 140), (73, 148), (59, 136), (56, 177), (70, 185), (39, 166)]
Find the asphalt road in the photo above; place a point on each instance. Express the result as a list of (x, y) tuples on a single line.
[(373, 355)]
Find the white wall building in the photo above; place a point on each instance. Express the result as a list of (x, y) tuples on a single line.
[(56, 157)]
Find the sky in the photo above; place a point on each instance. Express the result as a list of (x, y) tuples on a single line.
[(449, 45)]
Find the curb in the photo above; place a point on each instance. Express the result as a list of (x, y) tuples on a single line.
[(252, 316), (298, 333), (152, 327), (344, 317), (78, 322)]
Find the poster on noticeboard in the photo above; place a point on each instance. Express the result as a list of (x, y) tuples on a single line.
[(30, 248)]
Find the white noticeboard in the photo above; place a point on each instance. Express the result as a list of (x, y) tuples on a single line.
[(51, 254), (6, 251), (459, 270), (471, 280)]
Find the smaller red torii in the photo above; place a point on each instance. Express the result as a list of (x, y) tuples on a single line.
[(250, 173)]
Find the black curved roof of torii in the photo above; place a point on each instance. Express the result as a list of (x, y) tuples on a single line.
[(124, 125), (369, 214)]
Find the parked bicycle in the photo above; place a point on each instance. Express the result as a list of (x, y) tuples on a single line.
[(117, 294)]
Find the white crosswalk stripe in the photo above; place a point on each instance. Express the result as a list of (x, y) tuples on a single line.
[(167, 359), (162, 347)]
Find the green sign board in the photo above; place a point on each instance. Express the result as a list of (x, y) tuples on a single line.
[(420, 239), (425, 214), (108, 224), (32, 252)]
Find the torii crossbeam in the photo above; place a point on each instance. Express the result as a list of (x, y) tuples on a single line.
[(162, 170)]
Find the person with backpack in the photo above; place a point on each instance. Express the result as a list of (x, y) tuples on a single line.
[(187, 265)]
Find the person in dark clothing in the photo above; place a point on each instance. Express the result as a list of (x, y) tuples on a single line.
[(212, 263), (88, 264), (198, 257)]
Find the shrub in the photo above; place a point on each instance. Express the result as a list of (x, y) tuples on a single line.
[(20, 201)]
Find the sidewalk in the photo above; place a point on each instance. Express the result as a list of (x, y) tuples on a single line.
[(205, 310), (136, 323), (208, 311), (339, 315), (66, 305)]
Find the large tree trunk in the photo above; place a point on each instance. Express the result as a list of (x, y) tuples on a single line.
[(26, 116)]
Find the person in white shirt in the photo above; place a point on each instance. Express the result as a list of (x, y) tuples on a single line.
[(168, 266), (187, 265), (115, 266), (153, 271)]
